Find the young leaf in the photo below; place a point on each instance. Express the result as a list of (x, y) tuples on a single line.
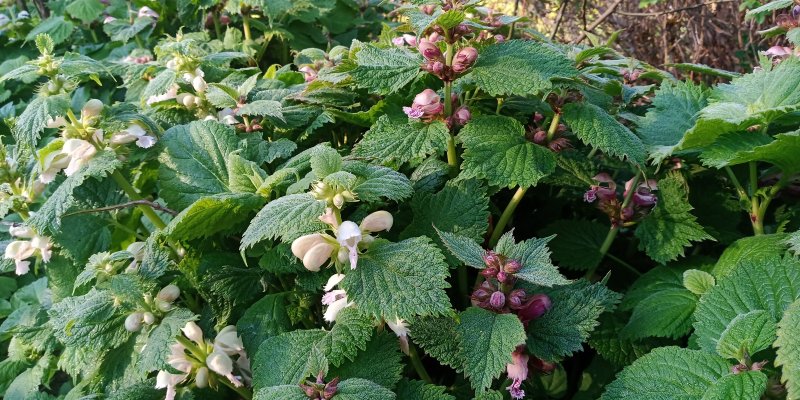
[(697, 281), (748, 249), (597, 128), (520, 68), (748, 333), (85, 10), (607, 340), (288, 358), (287, 218), (33, 120), (746, 385), (496, 150), (488, 339), (349, 334), (211, 214), (788, 349), (464, 248), (534, 256), (264, 319), (401, 140), (400, 279), (385, 71)]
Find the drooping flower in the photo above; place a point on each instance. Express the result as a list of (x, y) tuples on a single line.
[(137, 253), (228, 341), (309, 73), (377, 222), (429, 50), (134, 133), (517, 371), (427, 104), (400, 328), (21, 250), (461, 116), (80, 152), (349, 235), (643, 196), (601, 192)]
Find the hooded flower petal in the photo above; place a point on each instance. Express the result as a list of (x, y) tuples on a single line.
[(228, 341), (193, 332), (348, 235), (333, 281)]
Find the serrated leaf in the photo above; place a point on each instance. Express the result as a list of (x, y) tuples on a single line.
[(574, 315), (788, 349), (440, 338), (742, 147), (674, 110), (748, 249), (57, 27), (160, 84), (400, 279), (496, 150), (748, 333), (262, 108), (670, 373), (607, 340), (534, 256), (288, 358), (597, 128), (362, 389), (33, 120), (121, 30), (670, 227), (770, 284), (385, 71), (464, 248), (49, 215), (281, 392), (264, 319), (577, 243), (401, 141), (350, 334), (380, 362), (749, 385), (703, 69), (488, 340), (193, 162), (520, 68), (211, 214), (418, 390), (697, 281), (376, 183), (85, 10), (666, 313), (157, 348), (769, 7), (287, 218), (88, 320)]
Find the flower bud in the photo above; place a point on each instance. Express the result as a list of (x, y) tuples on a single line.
[(338, 200), (330, 389), (309, 74), (133, 323), (188, 101), (462, 116), (429, 50), (540, 137), (499, 38), (437, 67), (169, 293), (464, 59), (303, 244), (317, 255), (512, 266), (503, 276), (377, 222), (92, 108), (497, 300), (516, 299), (310, 391), (148, 318), (193, 332), (199, 84), (428, 9), (536, 307), (201, 379), (489, 272)]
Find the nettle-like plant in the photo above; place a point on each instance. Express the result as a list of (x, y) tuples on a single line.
[(457, 208)]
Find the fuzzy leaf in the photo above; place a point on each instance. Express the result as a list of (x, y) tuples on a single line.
[(534, 256), (362, 389), (742, 147), (609, 343), (350, 334), (748, 333), (488, 339), (670, 227), (666, 313), (88, 320), (464, 248), (577, 243), (749, 385), (380, 362), (33, 120), (157, 349), (770, 284), (385, 71), (440, 338), (85, 10), (520, 68), (211, 214), (287, 218), (266, 318), (400, 279), (288, 358), (597, 128), (418, 390), (376, 183), (496, 150), (401, 141), (788, 349), (748, 249)]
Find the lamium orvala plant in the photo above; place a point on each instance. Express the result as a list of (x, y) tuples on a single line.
[(365, 200)]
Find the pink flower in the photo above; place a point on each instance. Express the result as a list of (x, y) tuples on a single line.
[(410, 40), (428, 102), (462, 116), (606, 193), (643, 196), (499, 38), (429, 50), (398, 41), (464, 59), (778, 51), (518, 372), (310, 74), (413, 112), (537, 306)]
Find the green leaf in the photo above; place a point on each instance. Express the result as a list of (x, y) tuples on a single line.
[(697, 281), (461, 207), (742, 147), (400, 279), (703, 69), (211, 214), (121, 30), (362, 389), (464, 248), (88, 320), (520, 68), (282, 392), (376, 183), (496, 150), (157, 348), (325, 161), (656, 280), (748, 334), (33, 120), (385, 71), (597, 128), (266, 318), (609, 343), (576, 309), (288, 358), (401, 141), (262, 108), (418, 390), (670, 227), (160, 84), (48, 217), (350, 334), (748, 249), (674, 110), (749, 385), (788, 349), (769, 8), (193, 162), (534, 256), (86, 10), (770, 284), (577, 243), (380, 362), (440, 338), (287, 218), (488, 339), (669, 373), (57, 27), (666, 313)]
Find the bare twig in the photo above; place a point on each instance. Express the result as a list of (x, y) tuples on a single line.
[(657, 13), (148, 203), (559, 18), (599, 21)]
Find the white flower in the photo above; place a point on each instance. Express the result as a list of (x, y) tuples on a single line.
[(171, 93), (18, 251), (92, 108), (189, 76), (4, 20), (137, 252), (23, 15), (333, 281), (136, 133), (178, 360), (199, 84), (21, 231), (222, 364), (147, 12), (79, 152), (348, 235), (377, 221), (43, 245), (228, 341), (52, 164), (400, 328), (108, 19), (57, 122), (336, 300), (193, 332), (133, 323), (201, 378), (227, 116)]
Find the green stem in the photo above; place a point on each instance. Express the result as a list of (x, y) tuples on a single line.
[(756, 216), (506, 216), (551, 131), (248, 37), (217, 25), (452, 156), (499, 105), (739, 189), (134, 195), (613, 231), (417, 364)]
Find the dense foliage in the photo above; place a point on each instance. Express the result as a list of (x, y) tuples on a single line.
[(342, 199)]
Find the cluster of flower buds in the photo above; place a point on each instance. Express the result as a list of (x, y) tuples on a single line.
[(739, 368), (58, 84), (605, 195), (207, 361), (21, 250), (436, 64), (789, 21), (496, 293), (630, 75), (162, 303), (537, 133), (334, 195), (319, 390)]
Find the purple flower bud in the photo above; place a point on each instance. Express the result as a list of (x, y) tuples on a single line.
[(538, 117), (491, 259), (437, 67), (516, 299), (410, 40), (398, 41), (502, 276), (558, 145), (739, 368), (462, 116), (499, 38), (330, 389), (590, 196), (536, 307), (540, 137), (463, 29), (309, 391), (627, 213), (481, 294), (512, 266), (796, 12), (464, 59), (428, 9), (413, 112), (489, 272), (429, 50), (497, 300)]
